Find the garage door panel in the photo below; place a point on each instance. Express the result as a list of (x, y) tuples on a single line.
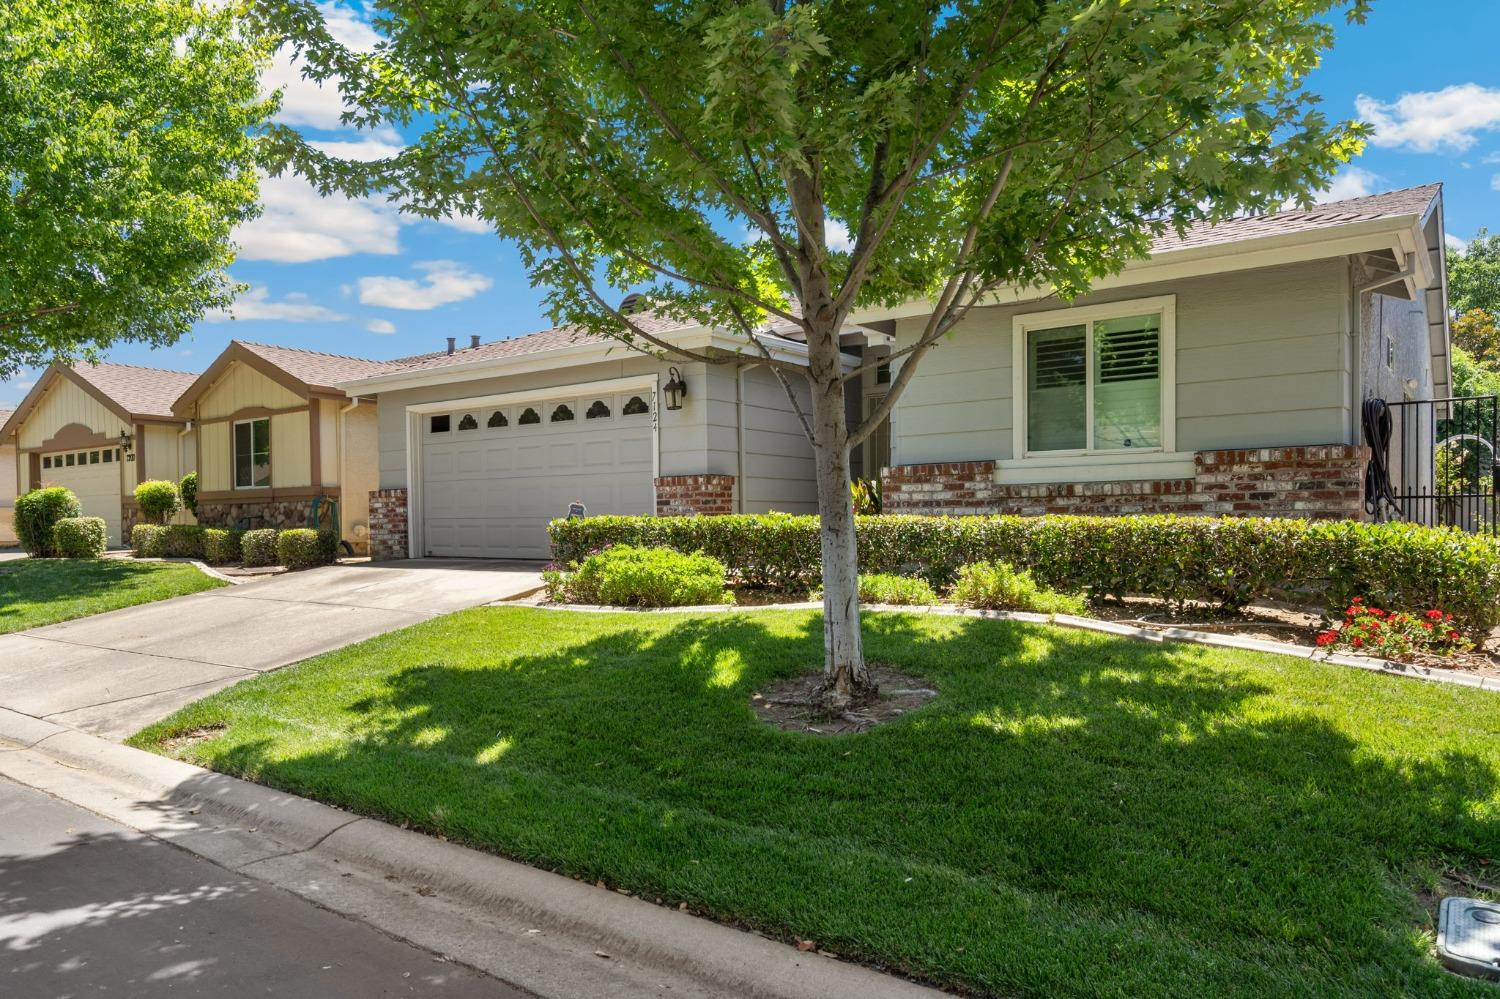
[(494, 493), (93, 480)]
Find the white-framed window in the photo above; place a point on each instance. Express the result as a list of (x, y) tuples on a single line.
[(252, 453), (1098, 379)]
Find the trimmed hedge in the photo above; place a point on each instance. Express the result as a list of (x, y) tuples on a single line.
[(37, 513), (303, 547), (80, 537), (149, 540), (1225, 560), (259, 546), (158, 500), (188, 490), (183, 540), (221, 547)]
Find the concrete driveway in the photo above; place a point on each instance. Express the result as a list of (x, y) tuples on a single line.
[(113, 673)]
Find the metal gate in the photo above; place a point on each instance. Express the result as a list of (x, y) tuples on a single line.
[(1439, 460)]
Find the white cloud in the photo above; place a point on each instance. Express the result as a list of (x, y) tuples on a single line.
[(304, 102), (256, 303), (444, 282), (837, 235), (1350, 182), (1495, 182), (466, 223), (382, 143), (299, 224), (1456, 244), (1430, 120), (381, 327)]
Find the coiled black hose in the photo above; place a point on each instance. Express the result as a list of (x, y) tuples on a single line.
[(1376, 419)]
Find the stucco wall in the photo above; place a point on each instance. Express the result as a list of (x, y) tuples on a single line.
[(1263, 359)]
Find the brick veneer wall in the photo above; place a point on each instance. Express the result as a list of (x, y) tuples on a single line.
[(684, 495), (388, 523), (1325, 482)]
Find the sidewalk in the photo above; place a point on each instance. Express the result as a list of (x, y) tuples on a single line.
[(531, 930)]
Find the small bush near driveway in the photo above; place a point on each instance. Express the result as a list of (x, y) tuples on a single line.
[(259, 547), (1074, 815), (80, 537), (220, 547), (997, 586), (303, 548), (625, 576), (37, 513)]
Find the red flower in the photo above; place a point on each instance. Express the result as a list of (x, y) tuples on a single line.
[(1452, 636), (1434, 615), (1357, 600), (1327, 638), (1375, 625), (1427, 625), (1358, 642)]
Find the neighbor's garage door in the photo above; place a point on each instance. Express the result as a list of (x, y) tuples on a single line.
[(94, 476), (493, 478)]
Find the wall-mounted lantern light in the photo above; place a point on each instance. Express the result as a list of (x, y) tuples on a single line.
[(675, 389), (127, 446)]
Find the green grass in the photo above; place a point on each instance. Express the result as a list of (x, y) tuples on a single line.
[(1075, 815), (46, 591)]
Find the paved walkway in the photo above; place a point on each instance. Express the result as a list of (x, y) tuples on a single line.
[(90, 906), (113, 673)]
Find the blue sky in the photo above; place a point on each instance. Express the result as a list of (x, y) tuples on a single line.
[(354, 277)]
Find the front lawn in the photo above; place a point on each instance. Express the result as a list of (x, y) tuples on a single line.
[(1074, 815), (34, 592)]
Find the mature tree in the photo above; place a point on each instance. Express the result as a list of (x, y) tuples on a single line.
[(1474, 276), (127, 148), (963, 147), (1476, 332)]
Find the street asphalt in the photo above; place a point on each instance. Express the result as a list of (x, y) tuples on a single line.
[(91, 907)]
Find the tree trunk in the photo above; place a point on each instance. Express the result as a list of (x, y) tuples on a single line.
[(846, 678)]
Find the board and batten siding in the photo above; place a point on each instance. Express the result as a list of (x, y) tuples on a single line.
[(290, 454), (242, 387), (66, 403), (1263, 360)]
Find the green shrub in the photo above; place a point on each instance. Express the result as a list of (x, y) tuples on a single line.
[(885, 588), (188, 490), (183, 540), (157, 500), (37, 513), (303, 547), (149, 540), (221, 547), (998, 586), (259, 546), (1227, 561), (80, 537), (626, 576)]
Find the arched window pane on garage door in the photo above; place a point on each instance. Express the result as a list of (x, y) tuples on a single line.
[(497, 419), (468, 422), (636, 406), (562, 414), (598, 411), (530, 416)]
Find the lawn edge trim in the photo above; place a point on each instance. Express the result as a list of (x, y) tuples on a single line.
[(1387, 667)]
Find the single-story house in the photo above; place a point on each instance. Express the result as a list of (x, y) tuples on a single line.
[(1223, 375), (481, 447), (274, 436), (100, 429), (8, 481)]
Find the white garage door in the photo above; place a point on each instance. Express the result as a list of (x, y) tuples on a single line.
[(94, 476), (493, 478)]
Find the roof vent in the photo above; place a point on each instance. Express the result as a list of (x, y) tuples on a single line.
[(473, 340), (452, 344), (632, 303)]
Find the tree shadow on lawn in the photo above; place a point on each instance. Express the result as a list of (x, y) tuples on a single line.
[(1074, 813)]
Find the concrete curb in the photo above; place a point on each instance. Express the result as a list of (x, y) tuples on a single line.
[(1385, 666), (542, 932)]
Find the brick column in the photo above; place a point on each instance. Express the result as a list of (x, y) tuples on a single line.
[(685, 495), (388, 524)]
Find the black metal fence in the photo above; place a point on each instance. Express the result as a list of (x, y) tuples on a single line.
[(1441, 462)]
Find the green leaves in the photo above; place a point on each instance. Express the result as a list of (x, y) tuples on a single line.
[(127, 143)]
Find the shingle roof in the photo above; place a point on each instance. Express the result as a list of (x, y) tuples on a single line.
[(315, 368), (1388, 204), (138, 391), (531, 343)]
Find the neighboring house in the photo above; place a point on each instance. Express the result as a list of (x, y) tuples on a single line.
[(100, 429), (1224, 375), (7, 485), (481, 447), (275, 436)]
